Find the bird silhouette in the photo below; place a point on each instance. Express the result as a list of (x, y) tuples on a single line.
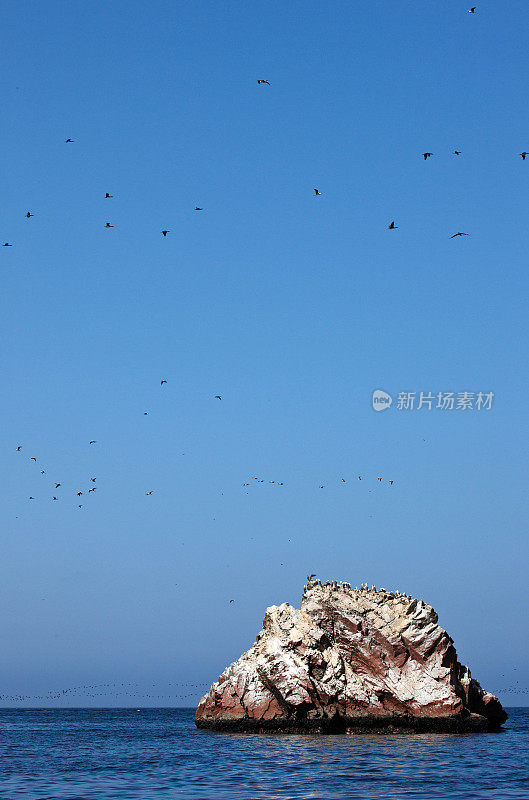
[(426, 155), (198, 209), (392, 225), (33, 458), (79, 494), (472, 10), (218, 397), (457, 152), (523, 155), (93, 480), (6, 244), (148, 493), (317, 192), (57, 485), (108, 225), (107, 195), (162, 382), (93, 441), (69, 140), (92, 490), (166, 232), (262, 80), (19, 448), (54, 498), (459, 233), (43, 472), (29, 214)]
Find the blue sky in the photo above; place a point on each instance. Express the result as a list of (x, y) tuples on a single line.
[(293, 308)]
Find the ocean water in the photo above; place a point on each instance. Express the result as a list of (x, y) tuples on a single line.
[(153, 754)]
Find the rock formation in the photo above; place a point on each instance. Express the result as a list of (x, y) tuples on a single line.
[(350, 661)]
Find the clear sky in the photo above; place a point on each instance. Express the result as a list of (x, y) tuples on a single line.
[(292, 307)]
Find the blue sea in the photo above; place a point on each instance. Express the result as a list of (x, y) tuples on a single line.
[(148, 754)]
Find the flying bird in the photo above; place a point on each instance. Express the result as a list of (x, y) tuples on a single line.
[(218, 397), (148, 493), (108, 195), (79, 494), (79, 506), (19, 447), (54, 498), (317, 192), (108, 225), (523, 155), (69, 140), (198, 209), (93, 480), (31, 498), (145, 413), (472, 10), (459, 233), (93, 441), (166, 232), (162, 382), (391, 482), (43, 472), (33, 459), (359, 478), (6, 244), (57, 485), (262, 80), (392, 225), (426, 155), (29, 214), (232, 601), (457, 152), (92, 490)]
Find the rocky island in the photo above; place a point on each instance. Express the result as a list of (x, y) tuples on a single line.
[(351, 660)]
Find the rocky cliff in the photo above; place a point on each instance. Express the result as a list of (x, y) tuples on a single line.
[(352, 660)]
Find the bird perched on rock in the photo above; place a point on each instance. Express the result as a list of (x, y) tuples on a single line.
[(427, 155), (262, 80), (392, 225), (459, 233)]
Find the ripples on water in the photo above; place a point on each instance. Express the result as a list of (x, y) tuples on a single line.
[(153, 754)]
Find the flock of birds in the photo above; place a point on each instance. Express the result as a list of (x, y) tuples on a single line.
[(86, 492), (181, 690)]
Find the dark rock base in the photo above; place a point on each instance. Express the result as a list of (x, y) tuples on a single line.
[(364, 724)]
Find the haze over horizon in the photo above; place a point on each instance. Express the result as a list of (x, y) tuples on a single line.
[(293, 308)]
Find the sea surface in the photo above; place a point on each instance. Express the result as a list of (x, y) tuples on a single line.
[(148, 754)]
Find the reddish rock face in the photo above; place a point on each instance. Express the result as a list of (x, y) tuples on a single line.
[(351, 660)]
